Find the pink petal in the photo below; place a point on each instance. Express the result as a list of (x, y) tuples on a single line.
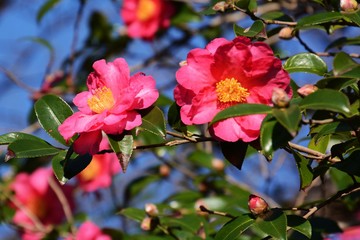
[(147, 94), (80, 101), (88, 142)]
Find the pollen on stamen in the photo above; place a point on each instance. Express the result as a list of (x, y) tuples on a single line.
[(230, 91), (101, 100)]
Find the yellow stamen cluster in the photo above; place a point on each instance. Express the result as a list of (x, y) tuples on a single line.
[(145, 9), (230, 90), (101, 100)]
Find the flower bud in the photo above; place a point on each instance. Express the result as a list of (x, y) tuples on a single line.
[(218, 164), (164, 170), (286, 33), (183, 63), (151, 210), (149, 223), (257, 205), (348, 5), (220, 6), (306, 90), (280, 98)]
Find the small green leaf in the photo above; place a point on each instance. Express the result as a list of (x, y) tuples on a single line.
[(201, 158), (25, 148), (8, 138), (306, 62), (320, 100), (289, 118), (154, 122), (305, 171), (319, 18), (336, 83), (351, 164), (174, 118), (189, 223), (330, 128), (133, 213), (343, 41), (234, 228), (184, 14), (57, 166), (345, 66), (276, 15), (354, 16), (299, 224), (51, 111), (256, 30), (241, 110), (123, 147), (48, 5), (234, 152), (139, 184), (274, 224)]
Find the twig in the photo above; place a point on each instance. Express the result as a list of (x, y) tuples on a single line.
[(307, 48), (64, 203), (19, 83), (223, 214), (174, 143)]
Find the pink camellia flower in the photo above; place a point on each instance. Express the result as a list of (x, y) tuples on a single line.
[(224, 74), (89, 231), (99, 173), (144, 18), (257, 205), (110, 105), (34, 199)]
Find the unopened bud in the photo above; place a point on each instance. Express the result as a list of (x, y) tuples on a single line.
[(164, 170), (151, 210), (220, 6), (218, 164), (257, 205), (183, 63), (9, 155), (149, 223), (307, 89), (348, 5), (280, 98), (286, 33)]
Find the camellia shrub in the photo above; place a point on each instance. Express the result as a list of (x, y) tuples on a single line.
[(154, 150)]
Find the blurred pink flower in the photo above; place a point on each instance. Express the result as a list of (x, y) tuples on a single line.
[(89, 231), (350, 233), (33, 192), (99, 173), (110, 104), (224, 74), (144, 18)]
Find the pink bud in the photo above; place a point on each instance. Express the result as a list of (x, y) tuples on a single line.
[(280, 98), (306, 90), (286, 33), (220, 6), (257, 205), (151, 210), (348, 5)]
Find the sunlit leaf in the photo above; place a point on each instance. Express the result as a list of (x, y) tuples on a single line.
[(354, 16), (306, 62), (274, 224), (256, 30), (133, 213), (289, 118), (319, 18), (123, 147), (154, 122), (299, 224), (45, 8), (345, 66), (304, 169), (25, 148), (234, 228), (10, 137)]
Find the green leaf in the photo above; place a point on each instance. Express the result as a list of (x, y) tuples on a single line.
[(351, 164), (174, 118), (139, 184), (57, 166), (330, 128), (343, 41), (345, 66), (190, 223), (184, 14), (154, 122), (25, 148), (241, 110), (274, 224), (8, 138), (51, 111), (319, 18), (289, 118), (272, 136), (276, 15), (304, 168), (256, 30), (336, 83), (354, 16), (320, 100), (201, 158), (133, 213), (306, 62), (234, 228), (47, 6), (234, 152), (299, 224), (123, 147)]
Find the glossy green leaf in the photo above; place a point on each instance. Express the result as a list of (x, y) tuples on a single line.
[(319, 18), (304, 169), (330, 128), (57, 166), (276, 15), (174, 119), (345, 66), (320, 146), (8, 138), (351, 164), (133, 213), (256, 30), (343, 41), (354, 16), (343, 148), (299, 224), (154, 122), (336, 83), (25, 148), (289, 118), (274, 224), (45, 8), (234, 228), (123, 147), (272, 136), (190, 223), (234, 152), (306, 62), (320, 100), (139, 184), (241, 110), (51, 111)]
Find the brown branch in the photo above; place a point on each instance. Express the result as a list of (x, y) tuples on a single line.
[(14, 79), (222, 214)]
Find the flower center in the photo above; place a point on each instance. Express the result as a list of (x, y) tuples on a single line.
[(101, 100), (91, 171), (37, 206), (145, 9), (230, 91)]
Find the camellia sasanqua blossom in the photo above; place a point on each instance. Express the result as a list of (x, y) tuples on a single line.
[(109, 106), (99, 173), (224, 74), (89, 231), (144, 18), (34, 200)]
